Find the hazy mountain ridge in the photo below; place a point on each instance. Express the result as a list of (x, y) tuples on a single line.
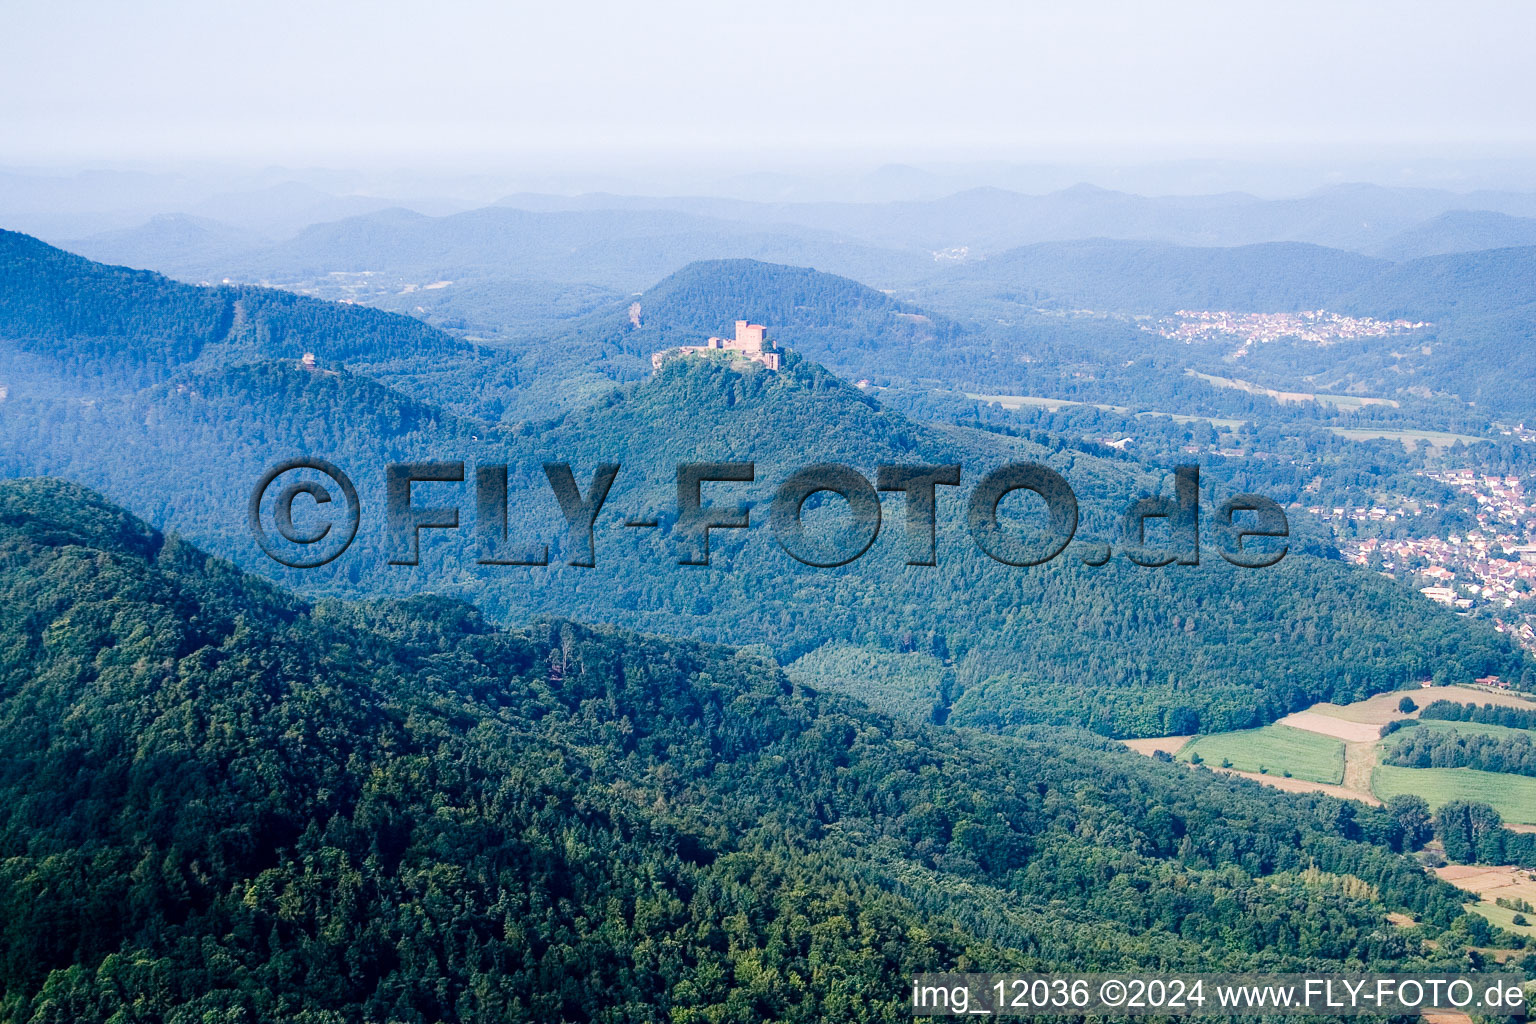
[(90, 317), (993, 219), (1460, 231), (1148, 277), (616, 249)]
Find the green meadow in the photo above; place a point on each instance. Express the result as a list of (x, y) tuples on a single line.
[(1274, 750)]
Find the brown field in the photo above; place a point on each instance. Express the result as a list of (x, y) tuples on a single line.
[(1153, 744), (1489, 882), (1472, 695), (1338, 728), (1382, 708), (1301, 785)]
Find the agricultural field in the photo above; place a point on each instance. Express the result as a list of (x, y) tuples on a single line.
[(1337, 401), (1513, 796), (1335, 749), (1382, 708), (1152, 744), (1489, 883), (1503, 917), (1278, 750), (1410, 439), (1055, 404)]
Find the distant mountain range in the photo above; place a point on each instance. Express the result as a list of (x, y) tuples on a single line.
[(626, 242), (1460, 231), (1154, 277), (1146, 277), (990, 219)]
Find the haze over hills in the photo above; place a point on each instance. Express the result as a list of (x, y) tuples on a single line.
[(1460, 231), (625, 250), (1122, 649), (884, 242), (176, 244), (272, 203), (530, 274), (1456, 286), (1149, 277), (992, 219)]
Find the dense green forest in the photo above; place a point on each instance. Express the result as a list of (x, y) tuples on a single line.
[(1120, 649), (111, 325), (1473, 833), (1485, 714), (1446, 748), (221, 802)]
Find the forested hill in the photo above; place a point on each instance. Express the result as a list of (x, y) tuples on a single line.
[(1122, 649), (1459, 286), (211, 791), (836, 321), (1151, 277), (1460, 231), (1125, 650), (97, 320), (811, 312)]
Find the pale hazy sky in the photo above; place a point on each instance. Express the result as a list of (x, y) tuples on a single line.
[(445, 81)]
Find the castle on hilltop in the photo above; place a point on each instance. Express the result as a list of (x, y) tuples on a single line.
[(749, 343)]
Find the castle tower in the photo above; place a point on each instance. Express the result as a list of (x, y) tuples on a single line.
[(750, 342)]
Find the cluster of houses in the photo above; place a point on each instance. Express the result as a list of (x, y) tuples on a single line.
[(1317, 327), (1492, 566)]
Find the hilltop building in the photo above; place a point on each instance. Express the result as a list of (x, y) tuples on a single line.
[(750, 343)]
